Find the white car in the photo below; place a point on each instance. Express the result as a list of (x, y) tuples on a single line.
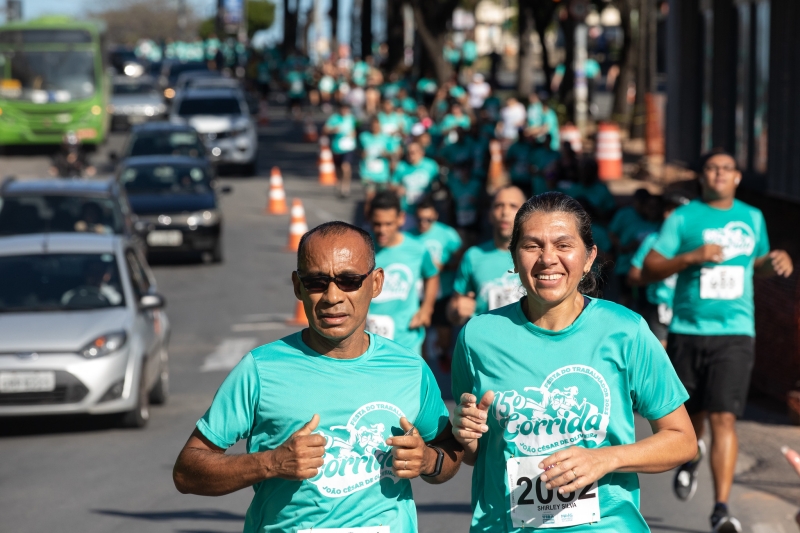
[(82, 329), (222, 119), (135, 101)]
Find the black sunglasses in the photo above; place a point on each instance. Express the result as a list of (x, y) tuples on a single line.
[(345, 282)]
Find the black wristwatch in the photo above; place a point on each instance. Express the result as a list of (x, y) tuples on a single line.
[(439, 461)]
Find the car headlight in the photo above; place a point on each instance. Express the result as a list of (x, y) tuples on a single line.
[(203, 218), (104, 345)]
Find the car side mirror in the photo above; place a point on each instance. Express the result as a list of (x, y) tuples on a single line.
[(151, 301)]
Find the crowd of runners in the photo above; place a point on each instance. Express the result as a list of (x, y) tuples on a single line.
[(501, 283)]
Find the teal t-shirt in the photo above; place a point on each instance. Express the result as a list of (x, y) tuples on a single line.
[(542, 157), (715, 299), (392, 123), (630, 228), (427, 86), (535, 115), (405, 267), (591, 66), (457, 153), (488, 272), (466, 196), (661, 292), (469, 51), (297, 84), (344, 140), (551, 121), (263, 402), (442, 242), (374, 165), (601, 238), (327, 84), (451, 122), (518, 159), (553, 389), (416, 179), (360, 73)]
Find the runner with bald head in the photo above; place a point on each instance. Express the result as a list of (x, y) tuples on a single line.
[(337, 420), (484, 279)]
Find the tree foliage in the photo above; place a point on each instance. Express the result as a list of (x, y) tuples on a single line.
[(130, 20), (260, 16)]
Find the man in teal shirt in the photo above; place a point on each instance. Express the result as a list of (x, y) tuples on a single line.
[(715, 245), (485, 279), (443, 244), (410, 275), (318, 458), (413, 177), (342, 127)]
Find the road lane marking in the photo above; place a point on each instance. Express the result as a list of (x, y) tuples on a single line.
[(228, 353), (258, 326)]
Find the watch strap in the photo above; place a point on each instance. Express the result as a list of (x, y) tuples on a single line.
[(439, 461)]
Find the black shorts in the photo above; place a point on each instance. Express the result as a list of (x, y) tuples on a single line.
[(344, 157), (715, 369), (439, 316)]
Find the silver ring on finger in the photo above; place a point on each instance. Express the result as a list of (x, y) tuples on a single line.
[(405, 466)]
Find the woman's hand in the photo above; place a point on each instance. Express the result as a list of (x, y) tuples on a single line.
[(576, 467), (469, 420)]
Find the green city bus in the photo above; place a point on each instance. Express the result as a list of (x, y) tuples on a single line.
[(52, 81)]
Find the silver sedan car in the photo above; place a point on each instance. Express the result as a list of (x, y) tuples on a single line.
[(82, 328)]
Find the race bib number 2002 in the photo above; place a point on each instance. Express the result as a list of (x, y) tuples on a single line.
[(534, 505)]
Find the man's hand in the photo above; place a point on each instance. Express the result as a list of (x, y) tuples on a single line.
[(300, 457), (708, 253), (469, 419), (410, 455), (421, 319), (462, 308), (575, 468), (781, 263)]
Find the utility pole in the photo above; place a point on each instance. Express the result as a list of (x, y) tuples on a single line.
[(578, 10), (182, 20), (366, 28)]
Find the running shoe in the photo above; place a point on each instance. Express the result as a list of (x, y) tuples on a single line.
[(723, 522), (685, 483)]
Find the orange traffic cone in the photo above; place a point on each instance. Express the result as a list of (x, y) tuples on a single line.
[(300, 318), (297, 227), (327, 170), (310, 131), (570, 134), (263, 112), (609, 152), (277, 197), (495, 177)]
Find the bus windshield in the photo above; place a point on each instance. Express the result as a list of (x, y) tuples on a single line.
[(47, 76)]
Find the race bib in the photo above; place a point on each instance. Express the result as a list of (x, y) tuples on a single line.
[(347, 143), (722, 283), (382, 325), (503, 295), (664, 314), (373, 529), (297, 86), (534, 505), (375, 165)]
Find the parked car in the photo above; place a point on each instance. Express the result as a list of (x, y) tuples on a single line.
[(163, 138), (177, 198), (67, 206), (135, 101), (222, 118), (83, 329), (171, 70)]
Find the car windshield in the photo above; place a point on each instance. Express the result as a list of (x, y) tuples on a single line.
[(128, 88), (59, 282), (209, 106), (177, 69), (165, 179), (39, 213), (47, 76), (185, 143)]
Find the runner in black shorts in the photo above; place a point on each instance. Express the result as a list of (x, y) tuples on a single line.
[(715, 245)]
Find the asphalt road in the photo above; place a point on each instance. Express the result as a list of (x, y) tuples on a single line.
[(84, 475)]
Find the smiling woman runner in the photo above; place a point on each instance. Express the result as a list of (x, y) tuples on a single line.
[(559, 376)]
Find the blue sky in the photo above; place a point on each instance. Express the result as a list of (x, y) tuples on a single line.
[(36, 8)]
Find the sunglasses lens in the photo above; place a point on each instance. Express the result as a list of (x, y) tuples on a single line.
[(349, 283), (316, 284)]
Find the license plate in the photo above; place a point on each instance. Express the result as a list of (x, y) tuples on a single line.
[(27, 381), (165, 238), (136, 119)]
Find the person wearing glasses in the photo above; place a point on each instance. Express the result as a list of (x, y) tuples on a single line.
[(337, 420), (715, 244), (397, 312)]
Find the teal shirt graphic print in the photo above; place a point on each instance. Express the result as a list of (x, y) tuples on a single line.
[(715, 299), (355, 487), (488, 272), (554, 389), (405, 266)]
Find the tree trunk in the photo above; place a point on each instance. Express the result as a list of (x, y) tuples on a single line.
[(366, 28), (394, 33), (289, 44), (620, 111), (431, 22), (525, 57), (334, 15), (543, 11)]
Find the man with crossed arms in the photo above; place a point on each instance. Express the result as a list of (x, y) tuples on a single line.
[(337, 420)]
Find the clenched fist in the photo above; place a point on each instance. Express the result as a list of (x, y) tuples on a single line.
[(300, 457)]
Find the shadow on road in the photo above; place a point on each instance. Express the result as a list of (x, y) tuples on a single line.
[(41, 425), (163, 516), (444, 508)]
